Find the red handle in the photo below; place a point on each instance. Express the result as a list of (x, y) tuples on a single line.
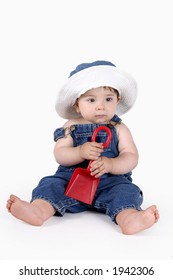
[(108, 132), (102, 127)]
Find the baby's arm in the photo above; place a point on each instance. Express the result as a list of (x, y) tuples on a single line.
[(126, 160), (67, 155)]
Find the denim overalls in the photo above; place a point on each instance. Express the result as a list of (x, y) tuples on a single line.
[(114, 193)]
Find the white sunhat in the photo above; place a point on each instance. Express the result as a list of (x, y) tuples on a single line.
[(87, 76)]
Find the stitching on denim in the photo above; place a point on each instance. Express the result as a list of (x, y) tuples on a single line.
[(60, 207)]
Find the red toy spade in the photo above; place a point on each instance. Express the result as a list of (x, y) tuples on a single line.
[(82, 185)]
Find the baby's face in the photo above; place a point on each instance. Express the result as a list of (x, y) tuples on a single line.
[(97, 105)]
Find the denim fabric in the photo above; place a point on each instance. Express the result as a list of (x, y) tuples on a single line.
[(114, 193)]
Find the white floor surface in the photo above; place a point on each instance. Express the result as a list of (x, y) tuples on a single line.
[(82, 236)]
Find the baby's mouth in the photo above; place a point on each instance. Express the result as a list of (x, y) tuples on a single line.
[(100, 116)]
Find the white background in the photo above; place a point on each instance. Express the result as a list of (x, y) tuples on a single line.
[(41, 43)]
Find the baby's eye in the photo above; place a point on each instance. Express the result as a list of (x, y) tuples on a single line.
[(91, 100), (109, 99)]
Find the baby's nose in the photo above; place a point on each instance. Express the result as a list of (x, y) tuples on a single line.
[(100, 106)]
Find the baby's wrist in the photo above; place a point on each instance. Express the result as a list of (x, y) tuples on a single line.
[(111, 165), (81, 152)]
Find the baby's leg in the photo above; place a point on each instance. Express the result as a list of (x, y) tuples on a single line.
[(132, 221), (35, 213)]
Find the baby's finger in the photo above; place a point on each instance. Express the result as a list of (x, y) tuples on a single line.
[(94, 156), (97, 145), (98, 172), (97, 148), (96, 163)]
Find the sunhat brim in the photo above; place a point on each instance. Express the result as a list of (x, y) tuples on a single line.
[(93, 77)]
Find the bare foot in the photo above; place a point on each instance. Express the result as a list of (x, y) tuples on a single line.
[(30, 213), (132, 221)]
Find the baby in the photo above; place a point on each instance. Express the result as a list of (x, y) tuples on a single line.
[(95, 94)]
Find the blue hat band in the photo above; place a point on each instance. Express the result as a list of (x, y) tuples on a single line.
[(84, 66)]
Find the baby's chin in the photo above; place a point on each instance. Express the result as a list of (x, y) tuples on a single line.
[(96, 120), (100, 119)]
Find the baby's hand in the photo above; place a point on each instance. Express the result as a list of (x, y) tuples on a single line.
[(101, 166), (91, 150)]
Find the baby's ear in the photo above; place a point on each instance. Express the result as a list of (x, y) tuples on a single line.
[(76, 106), (77, 109), (118, 98)]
